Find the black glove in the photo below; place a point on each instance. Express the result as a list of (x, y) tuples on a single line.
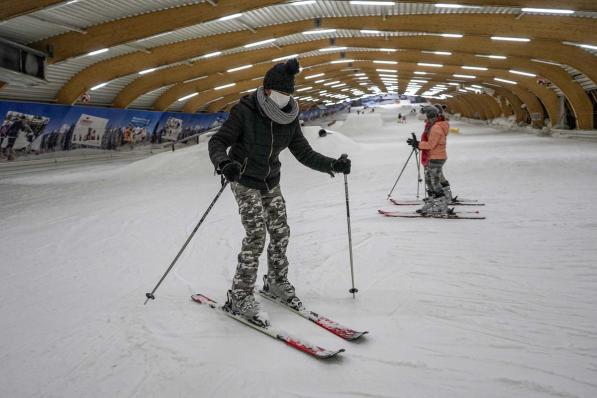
[(342, 165), (231, 170), (413, 142)]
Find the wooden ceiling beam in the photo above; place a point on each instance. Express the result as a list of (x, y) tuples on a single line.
[(131, 29), (17, 8), (582, 105), (178, 52)]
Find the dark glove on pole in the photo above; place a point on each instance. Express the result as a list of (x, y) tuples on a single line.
[(413, 141), (342, 165), (231, 169)]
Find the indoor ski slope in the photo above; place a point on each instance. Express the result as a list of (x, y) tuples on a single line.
[(504, 307)]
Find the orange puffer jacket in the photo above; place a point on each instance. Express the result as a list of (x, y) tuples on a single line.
[(437, 141)]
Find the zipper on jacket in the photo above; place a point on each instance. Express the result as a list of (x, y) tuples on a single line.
[(271, 150)]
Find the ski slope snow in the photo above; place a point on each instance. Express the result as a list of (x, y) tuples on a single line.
[(503, 307)]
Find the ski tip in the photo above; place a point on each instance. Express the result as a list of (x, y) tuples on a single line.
[(202, 299), (330, 354)]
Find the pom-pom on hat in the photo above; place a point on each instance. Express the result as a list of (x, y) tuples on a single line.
[(281, 76)]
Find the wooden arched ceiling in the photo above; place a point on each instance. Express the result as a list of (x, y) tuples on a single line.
[(527, 90), (472, 43), (556, 75), (130, 29), (547, 33), (15, 8), (137, 27)]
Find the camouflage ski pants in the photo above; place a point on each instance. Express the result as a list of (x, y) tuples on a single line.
[(260, 211), (434, 176)]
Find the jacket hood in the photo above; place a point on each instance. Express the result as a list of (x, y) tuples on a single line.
[(444, 125)]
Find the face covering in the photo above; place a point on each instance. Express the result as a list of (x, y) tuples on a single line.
[(279, 99)]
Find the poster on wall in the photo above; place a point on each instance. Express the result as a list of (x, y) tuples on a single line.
[(25, 132), (89, 131), (172, 129)]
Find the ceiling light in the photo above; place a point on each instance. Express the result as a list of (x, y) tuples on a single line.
[(444, 5), (339, 85), (504, 80), (285, 57), (318, 31), (239, 68), (250, 90), (362, 77), (332, 49), (452, 35), (387, 70), (491, 56), (391, 50), (321, 81), (542, 61), (373, 3), (464, 76), (330, 83), (229, 17), (517, 72), (303, 2), (186, 97), (475, 86), (475, 68), (385, 62), (437, 52), (99, 86), (258, 43), (430, 65), (588, 46), (419, 81), (146, 71), (314, 76), (420, 73), (195, 79), (371, 32), (304, 89), (339, 61), (503, 38), (360, 74), (214, 54), (548, 11), (97, 52), (224, 86)]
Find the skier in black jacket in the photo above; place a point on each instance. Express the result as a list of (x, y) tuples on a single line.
[(261, 126)]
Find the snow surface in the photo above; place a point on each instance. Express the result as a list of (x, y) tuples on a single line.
[(503, 307)]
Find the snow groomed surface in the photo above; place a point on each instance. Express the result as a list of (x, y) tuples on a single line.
[(492, 308)]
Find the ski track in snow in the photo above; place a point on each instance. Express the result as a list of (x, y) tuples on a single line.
[(503, 307)]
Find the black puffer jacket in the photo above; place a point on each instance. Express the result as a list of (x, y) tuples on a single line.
[(255, 142)]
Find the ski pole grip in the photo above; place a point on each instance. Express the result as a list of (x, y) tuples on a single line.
[(150, 296), (344, 156), (414, 136)]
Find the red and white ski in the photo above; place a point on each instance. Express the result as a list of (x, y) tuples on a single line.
[(301, 345), (326, 323), (451, 216)]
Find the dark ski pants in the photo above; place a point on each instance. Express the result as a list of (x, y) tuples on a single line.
[(260, 211), (434, 177)]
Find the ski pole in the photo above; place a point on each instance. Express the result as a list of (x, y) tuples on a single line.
[(400, 175), (213, 202), (353, 290)]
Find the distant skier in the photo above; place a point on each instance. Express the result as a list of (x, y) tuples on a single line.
[(433, 157), (261, 126)]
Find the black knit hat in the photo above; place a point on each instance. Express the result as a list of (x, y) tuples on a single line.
[(281, 76)]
